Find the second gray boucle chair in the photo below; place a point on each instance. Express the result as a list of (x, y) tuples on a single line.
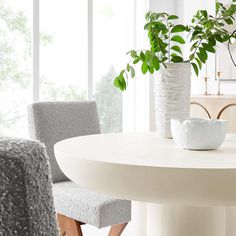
[(51, 122), (26, 202)]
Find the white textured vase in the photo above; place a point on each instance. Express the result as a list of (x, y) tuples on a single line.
[(172, 96)]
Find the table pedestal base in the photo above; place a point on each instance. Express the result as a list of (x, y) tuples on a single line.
[(185, 221), (160, 220)]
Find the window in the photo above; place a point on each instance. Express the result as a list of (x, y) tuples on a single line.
[(63, 50), (15, 66), (112, 37), (82, 47)]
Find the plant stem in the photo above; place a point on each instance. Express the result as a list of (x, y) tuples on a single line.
[(196, 48), (231, 57)]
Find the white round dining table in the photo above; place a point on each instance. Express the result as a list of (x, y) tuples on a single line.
[(188, 193)]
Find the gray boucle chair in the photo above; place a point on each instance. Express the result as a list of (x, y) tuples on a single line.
[(26, 202), (51, 122)]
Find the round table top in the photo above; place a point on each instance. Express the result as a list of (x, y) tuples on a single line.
[(146, 167)]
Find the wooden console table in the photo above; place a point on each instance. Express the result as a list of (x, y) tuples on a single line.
[(215, 107)]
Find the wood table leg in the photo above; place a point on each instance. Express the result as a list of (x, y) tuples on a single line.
[(68, 226), (116, 230)]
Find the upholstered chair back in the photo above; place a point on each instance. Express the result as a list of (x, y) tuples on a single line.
[(51, 122)]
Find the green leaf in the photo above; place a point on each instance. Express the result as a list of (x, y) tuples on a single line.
[(202, 59), (203, 53), (148, 56), (172, 17), (160, 26), (151, 70), (198, 62), (146, 27), (136, 60), (164, 32), (229, 21), (177, 59), (195, 68), (128, 67), (176, 48), (198, 14), (221, 24), (217, 7), (133, 53), (132, 72), (209, 24), (122, 72), (178, 28), (178, 39), (204, 13), (188, 28), (173, 55), (142, 56), (191, 57), (195, 32), (148, 15), (219, 38), (208, 47), (144, 68), (212, 41), (162, 46), (164, 59), (226, 38), (194, 46), (120, 82), (161, 43), (156, 63)]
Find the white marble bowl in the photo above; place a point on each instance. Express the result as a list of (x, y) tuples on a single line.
[(198, 134)]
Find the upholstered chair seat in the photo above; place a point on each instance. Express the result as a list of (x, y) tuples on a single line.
[(87, 206)]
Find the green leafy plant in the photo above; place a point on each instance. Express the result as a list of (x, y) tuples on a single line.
[(165, 44), (165, 39), (206, 30)]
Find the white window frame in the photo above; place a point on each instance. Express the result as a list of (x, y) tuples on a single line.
[(36, 50), (90, 49)]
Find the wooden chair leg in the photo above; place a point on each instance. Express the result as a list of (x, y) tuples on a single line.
[(116, 230), (68, 226)]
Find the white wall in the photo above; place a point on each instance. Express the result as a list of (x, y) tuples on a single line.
[(168, 6)]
